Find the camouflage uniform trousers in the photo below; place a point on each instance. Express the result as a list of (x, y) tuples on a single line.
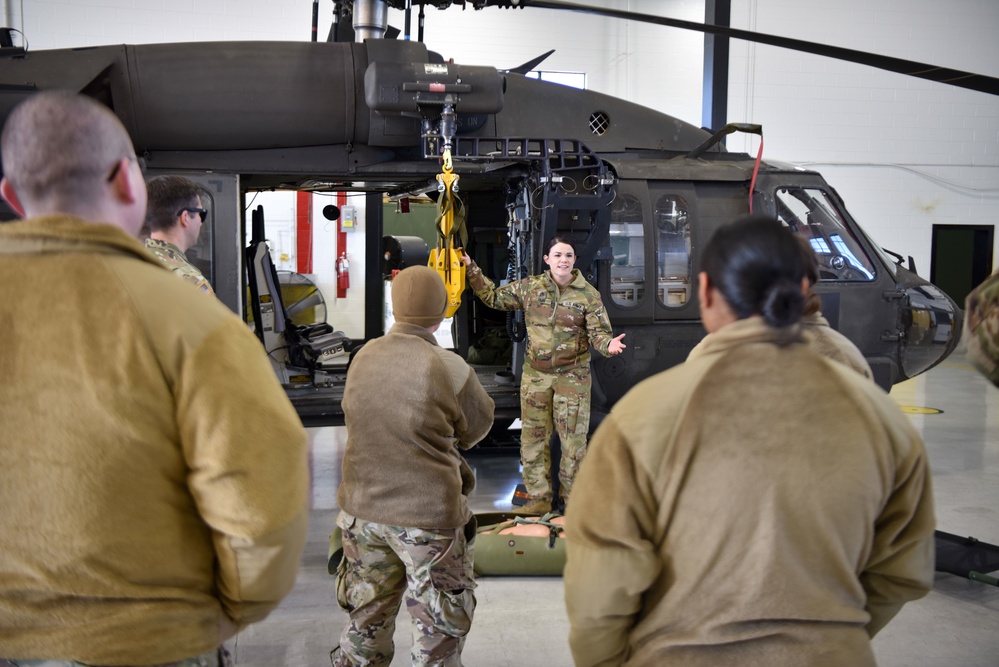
[(560, 400), (217, 658), (383, 564)]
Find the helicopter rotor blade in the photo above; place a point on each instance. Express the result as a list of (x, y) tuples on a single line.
[(531, 64), (953, 77)]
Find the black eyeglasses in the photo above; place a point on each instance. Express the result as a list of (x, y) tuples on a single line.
[(203, 212)]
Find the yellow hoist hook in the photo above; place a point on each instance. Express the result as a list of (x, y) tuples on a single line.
[(445, 258)]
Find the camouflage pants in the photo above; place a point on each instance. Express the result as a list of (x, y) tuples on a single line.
[(383, 564), (559, 400), (217, 658)]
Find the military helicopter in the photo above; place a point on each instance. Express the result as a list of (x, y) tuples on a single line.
[(640, 191)]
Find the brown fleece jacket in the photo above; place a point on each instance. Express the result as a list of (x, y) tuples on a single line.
[(154, 478), (758, 505), (410, 405), (832, 344)]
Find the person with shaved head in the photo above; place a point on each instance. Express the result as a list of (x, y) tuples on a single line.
[(154, 478)]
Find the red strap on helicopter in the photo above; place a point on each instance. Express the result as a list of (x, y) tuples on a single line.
[(756, 170)]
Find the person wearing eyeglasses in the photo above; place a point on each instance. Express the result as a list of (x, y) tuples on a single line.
[(174, 217), (155, 482)]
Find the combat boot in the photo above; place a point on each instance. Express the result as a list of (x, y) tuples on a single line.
[(536, 506)]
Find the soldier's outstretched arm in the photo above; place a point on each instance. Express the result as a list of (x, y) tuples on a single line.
[(506, 297)]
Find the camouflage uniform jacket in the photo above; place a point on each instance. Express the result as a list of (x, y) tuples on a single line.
[(561, 324), (171, 257), (981, 327)]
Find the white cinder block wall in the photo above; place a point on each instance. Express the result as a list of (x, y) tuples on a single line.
[(904, 153)]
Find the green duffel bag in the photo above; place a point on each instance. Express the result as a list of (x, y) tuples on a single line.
[(542, 553)]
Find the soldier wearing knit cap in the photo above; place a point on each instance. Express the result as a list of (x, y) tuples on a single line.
[(419, 297), (410, 406)]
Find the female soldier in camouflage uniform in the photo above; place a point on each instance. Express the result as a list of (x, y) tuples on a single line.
[(564, 316)]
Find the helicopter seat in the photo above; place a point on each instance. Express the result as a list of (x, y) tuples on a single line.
[(317, 346)]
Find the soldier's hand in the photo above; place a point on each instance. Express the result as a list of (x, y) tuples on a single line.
[(616, 346)]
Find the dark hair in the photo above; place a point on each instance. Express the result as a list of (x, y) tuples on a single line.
[(560, 239), (167, 196), (757, 264)]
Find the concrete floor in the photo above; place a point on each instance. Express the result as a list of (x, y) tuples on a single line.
[(521, 621)]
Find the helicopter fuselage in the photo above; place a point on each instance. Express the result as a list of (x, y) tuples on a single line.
[(640, 191)]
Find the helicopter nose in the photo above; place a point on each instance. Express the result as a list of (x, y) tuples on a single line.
[(932, 323)]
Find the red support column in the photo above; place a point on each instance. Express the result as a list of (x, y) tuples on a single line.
[(341, 238), (303, 231)]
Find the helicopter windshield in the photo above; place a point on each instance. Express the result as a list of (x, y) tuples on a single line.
[(811, 213)]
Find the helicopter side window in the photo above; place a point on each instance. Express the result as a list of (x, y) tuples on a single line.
[(672, 251), (627, 239), (810, 213)]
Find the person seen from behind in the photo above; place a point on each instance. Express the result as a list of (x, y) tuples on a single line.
[(410, 407), (154, 478), (757, 505)]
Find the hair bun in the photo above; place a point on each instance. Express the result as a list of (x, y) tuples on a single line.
[(783, 303)]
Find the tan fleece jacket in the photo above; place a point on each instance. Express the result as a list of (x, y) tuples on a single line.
[(154, 476), (756, 505), (832, 344), (410, 405)]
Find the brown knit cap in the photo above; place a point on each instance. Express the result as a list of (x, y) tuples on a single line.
[(418, 296)]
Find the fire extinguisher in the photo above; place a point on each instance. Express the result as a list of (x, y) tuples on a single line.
[(342, 275)]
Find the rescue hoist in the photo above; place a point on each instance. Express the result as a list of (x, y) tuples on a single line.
[(450, 223)]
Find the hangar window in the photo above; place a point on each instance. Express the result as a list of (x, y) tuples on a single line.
[(627, 237), (811, 213), (672, 220), (571, 79)]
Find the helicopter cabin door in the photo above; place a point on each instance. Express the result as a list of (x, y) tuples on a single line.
[(626, 286), (649, 289), (653, 240)]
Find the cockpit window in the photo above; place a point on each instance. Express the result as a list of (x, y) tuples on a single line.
[(627, 238), (811, 213), (672, 218)]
